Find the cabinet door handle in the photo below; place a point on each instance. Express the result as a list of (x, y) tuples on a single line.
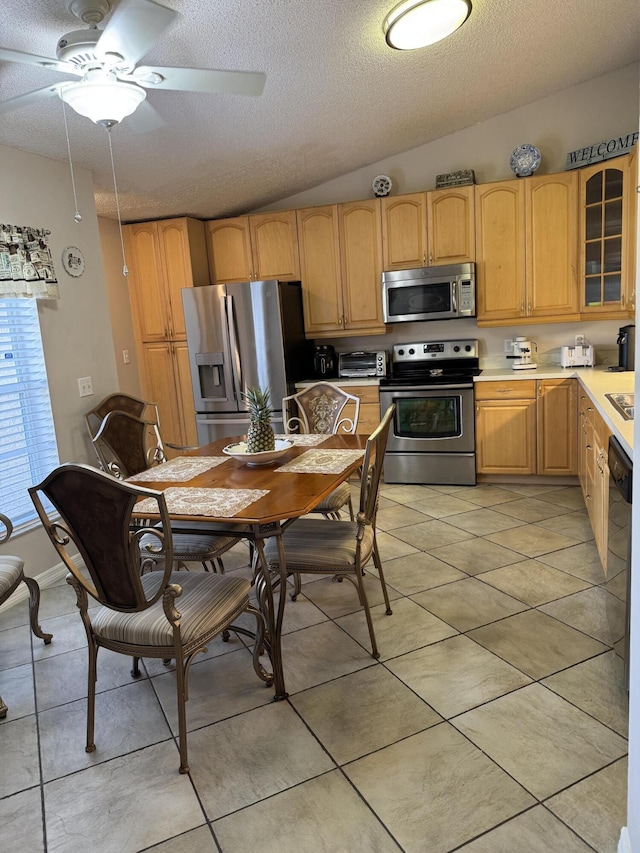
[(528, 307), (430, 257), (522, 308)]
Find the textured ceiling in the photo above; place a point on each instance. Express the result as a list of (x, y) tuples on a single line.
[(336, 97)]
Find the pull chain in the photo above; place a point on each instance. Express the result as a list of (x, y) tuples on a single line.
[(78, 216), (125, 269)]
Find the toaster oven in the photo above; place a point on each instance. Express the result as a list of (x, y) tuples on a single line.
[(362, 364)]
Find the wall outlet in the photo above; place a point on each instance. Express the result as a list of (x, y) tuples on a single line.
[(125, 356), (579, 340), (508, 346), (85, 386)]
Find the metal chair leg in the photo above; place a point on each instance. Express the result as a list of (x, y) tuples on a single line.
[(91, 695), (34, 606)]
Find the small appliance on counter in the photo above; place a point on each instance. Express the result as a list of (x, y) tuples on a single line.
[(362, 364), (580, 355), (325, 362), (626, 348), (521, 358)]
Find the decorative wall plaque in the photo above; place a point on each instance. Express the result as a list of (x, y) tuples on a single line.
[(455, 179), (601, 151)]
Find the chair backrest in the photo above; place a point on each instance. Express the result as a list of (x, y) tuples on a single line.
[(116, 402), (95, 515), (372, 467), (318, 409), (126, 444)]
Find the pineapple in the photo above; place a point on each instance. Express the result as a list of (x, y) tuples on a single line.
[(260, 433)]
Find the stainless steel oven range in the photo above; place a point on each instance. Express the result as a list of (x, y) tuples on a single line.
[(432, 437)]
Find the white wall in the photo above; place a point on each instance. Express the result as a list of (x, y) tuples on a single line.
[(76, 330), (119, 308)]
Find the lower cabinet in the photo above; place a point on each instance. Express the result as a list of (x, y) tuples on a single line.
[(593, 447), (526, 426), (167, 381)]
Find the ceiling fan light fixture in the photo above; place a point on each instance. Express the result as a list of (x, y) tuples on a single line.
[(105, 101), (418, 23)]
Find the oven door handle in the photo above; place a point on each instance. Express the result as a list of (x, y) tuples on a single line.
[(412, 389)]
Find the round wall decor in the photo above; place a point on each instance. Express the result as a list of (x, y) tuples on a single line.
[(73, 261)]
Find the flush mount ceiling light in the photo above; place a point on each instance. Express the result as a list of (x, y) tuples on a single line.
[(103, 98), (418, 23)]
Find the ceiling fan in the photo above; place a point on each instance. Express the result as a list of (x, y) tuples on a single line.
[(111, 85)]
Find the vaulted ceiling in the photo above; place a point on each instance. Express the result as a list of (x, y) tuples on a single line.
[(336, 98)]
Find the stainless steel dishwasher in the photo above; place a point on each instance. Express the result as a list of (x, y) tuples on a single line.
[(618, 582)]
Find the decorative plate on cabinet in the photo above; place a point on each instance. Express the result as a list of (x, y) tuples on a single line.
[(524, 160)]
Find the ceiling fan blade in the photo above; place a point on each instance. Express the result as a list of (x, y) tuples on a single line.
[(145, 119), (205, 80), (9, 55), (134, 28), (30, 98)]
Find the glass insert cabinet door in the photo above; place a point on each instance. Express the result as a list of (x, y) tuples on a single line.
[(431, 417), (604, 236)]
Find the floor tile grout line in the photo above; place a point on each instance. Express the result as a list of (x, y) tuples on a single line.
[(38, 740), (545, 800)]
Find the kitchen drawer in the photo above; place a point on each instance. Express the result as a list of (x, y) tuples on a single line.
[(364, 393), (518, 389)]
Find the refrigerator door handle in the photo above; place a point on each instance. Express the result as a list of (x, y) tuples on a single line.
[(233, 341)]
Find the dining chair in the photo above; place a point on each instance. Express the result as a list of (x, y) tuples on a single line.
[(157, 614), (127, 445), (11, 576), (318, 409), (115, 402), (342, 548)]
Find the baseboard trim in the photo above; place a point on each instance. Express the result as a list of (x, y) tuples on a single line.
[(49, 577), (624, 845)]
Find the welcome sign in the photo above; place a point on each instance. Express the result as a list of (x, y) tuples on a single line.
[(601, 151)]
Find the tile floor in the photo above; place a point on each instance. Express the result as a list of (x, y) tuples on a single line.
[(493, 721)]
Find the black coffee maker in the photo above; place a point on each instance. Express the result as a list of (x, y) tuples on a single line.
[(325, 362), (626, 347)]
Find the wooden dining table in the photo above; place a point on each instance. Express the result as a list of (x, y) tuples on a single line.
[(262, 501)]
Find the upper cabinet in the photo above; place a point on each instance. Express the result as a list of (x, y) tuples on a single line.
[(164, 257), (254, 248), (451, 226), (526, 249), (340, 267), (606, 220), (404, 231), (428, 229)]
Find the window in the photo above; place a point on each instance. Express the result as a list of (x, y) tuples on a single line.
[(28, 450)]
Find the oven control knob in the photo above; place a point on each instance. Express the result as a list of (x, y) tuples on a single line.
[(456, 349), (468, 348), (400, 352), (412, 351)]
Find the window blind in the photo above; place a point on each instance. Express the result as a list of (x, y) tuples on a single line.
[(28, 450)]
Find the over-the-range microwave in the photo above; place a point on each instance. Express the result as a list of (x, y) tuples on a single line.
[(429, 293)]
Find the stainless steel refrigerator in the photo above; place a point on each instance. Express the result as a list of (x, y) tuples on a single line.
[(243, 335)]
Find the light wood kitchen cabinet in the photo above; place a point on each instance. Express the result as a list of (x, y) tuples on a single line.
[(593, 447), (557, 427), (526, 250), (254, 248), (428, 229), (526, 426), (607, 208), (506, 427), (164, 257), (341, 264), (451, 236), (404, 231)]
